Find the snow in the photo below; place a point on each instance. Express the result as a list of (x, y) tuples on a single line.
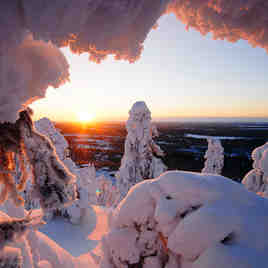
[(140, 160), (35, 249), (47, 128), (77, 241), (256, 180), (99, 147), (188, 220), (214, 157), (86, 183), (207, 223), (195, 136)]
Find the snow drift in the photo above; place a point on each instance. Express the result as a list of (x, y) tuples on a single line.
[(187, 220)]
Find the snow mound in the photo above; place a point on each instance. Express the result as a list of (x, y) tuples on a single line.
[(140, 160), (187, 220), (256, 180)]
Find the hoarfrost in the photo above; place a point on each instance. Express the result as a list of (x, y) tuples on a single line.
[(140, 160), (214, 157), (187, 221), (256, 180)]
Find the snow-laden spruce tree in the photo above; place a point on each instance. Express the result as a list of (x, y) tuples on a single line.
[(53, 184), (86, 177), (214, 157), (91, 190), (256, 180), (45, 127), (141, 156), (187, 220), (29, 63)]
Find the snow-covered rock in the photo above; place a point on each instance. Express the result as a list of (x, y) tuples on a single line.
[(214, 157), (256, 180), (140, 157), (187, 220)]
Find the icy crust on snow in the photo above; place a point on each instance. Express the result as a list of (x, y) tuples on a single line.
[(187, 220), (256, 180), (214, 157), (139, 161)]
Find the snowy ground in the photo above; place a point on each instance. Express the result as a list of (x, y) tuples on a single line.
[(78, 240)]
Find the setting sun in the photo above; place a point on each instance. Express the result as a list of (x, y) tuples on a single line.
[(85, 117)]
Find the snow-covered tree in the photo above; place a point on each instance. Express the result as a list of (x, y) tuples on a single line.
[(140, 160), (107, 192), (256, 180), (85, 183), (28, 65), (214, 157), (45, 127), (186, 219), (53, 182)]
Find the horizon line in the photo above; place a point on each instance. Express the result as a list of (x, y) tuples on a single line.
[(211, 119)]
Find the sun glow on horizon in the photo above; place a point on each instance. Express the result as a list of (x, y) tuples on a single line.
[(85, 117)]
